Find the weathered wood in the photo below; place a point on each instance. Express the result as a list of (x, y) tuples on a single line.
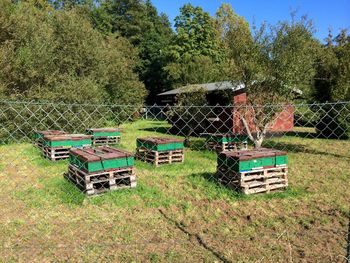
[(107, 140), (55, 154), (160, 157), (255, 181), (225, 146), (97, 183)]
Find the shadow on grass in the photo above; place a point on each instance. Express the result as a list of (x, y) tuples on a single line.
[(313, 135), (306, 135), (299, 148), (214, 190), (163, 130), (65, 191)]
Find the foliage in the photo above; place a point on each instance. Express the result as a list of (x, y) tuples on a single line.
[(56, 55), (195, 55), (195, 70), (271, 64), (148, 31), (335, 122), (332, 84)]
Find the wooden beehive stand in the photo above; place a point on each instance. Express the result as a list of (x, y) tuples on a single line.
[(225, 142), (160, 151), (256, 180), (104, 136), (39, 135), (57, 147), (102, 180)]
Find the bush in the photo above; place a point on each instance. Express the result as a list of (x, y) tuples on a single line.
[(335, 122)]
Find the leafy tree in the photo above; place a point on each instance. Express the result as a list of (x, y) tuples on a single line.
[(195, 54), (58, 56), (332, 84), (271, 64), (196, 34), (148, 31)]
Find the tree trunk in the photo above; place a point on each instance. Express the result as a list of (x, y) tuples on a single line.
[(260, 135)]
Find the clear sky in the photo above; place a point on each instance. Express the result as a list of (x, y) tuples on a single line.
[(326, 14)]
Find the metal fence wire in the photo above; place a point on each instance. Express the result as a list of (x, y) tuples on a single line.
[(155, 183)]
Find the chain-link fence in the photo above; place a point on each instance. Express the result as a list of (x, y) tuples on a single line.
[(168, 183)]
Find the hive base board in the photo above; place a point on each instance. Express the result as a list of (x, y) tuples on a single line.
[(255, 181), (160, 157), (106, 140), (97, 183)]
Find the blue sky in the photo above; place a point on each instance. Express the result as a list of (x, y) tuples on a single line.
[(324, 13)]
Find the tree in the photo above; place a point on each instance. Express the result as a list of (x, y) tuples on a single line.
[(58, 56), (332, 84), (271, 65), (195, 55), (148, 31)]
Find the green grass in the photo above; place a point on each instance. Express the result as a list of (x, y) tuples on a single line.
[(175, 206)]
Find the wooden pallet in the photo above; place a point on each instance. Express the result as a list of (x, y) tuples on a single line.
[(225, 146), (38, 144), (100, 182), (262, 180), (160, 157), (107, 140), (56, 153)]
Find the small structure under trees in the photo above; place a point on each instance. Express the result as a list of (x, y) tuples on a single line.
[(235, 116)]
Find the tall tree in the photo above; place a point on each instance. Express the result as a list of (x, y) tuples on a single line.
[(332, 84), (272, 65), (58, 56), (147, 30), (195, 55)]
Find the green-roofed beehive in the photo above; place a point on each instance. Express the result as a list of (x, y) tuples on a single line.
[(226, 142), (158, 150), (104, 136), (101, 169), (255, 171), (56, 147)]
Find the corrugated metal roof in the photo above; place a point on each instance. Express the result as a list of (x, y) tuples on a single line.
[(224, 85)]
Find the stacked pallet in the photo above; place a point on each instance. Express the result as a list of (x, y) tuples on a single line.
[(56, 147), (226, 142), (160, 150), (39, 135), (102, 169), (104, 136), (257, 171)]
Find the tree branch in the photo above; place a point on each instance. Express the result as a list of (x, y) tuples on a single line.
[(246, 126)]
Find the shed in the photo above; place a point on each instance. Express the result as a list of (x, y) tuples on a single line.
[(226, 119)]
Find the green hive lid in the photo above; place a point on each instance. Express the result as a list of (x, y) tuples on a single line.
[(159, 140), (99, 153), (103, 130), (245, 155)]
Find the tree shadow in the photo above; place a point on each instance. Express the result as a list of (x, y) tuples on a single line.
[(305, 135), (163, 130), (299, 148), (222, 190)]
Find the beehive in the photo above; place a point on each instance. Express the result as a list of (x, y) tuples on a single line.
[(104, 136), (158, 150), (56, 147), (250, 172), (102, 169), (226, 142)]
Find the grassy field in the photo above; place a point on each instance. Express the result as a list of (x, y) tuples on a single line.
[(177, 213)]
